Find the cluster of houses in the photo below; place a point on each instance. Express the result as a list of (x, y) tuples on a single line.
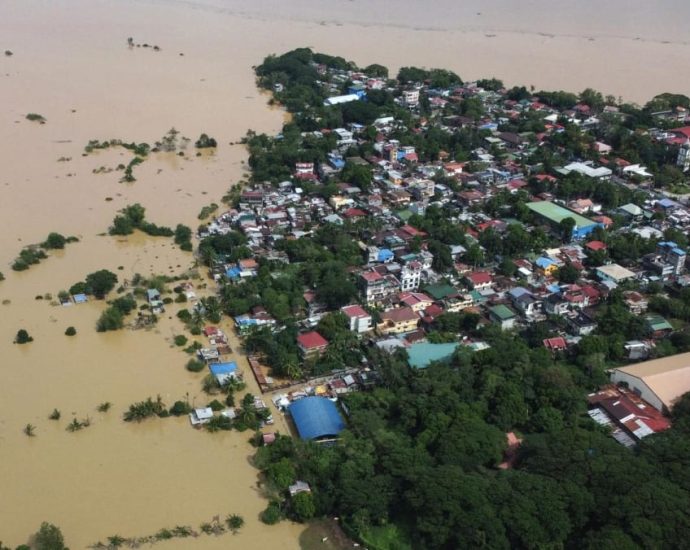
[(401, 294)]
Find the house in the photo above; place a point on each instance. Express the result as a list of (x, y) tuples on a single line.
[(299, 487), (397, 321), (555, 344), (418, 301), (546, 266), (503, 316), (614, 273), (524, 301), (153, 297), (224, 372), (411, 276), (581, 324), (454, 304), (659, 382), (360, 320), (311, 344), (635, 302), (376, 287), (657, 326), (479, 280), (201, 416), (555, 304)]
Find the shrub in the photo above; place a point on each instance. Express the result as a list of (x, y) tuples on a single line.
[(104, 407), (71, 331), (205, 142), (216, 405), (23, 337), (49, 537), (35, 117), (234, 522), (111, 319), (180, 408), (54, 241), (99, 283), (55, 415), (180, 340), (272, 514), (2, 277), (144, 409)]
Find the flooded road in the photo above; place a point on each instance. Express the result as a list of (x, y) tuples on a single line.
[(72, 65)]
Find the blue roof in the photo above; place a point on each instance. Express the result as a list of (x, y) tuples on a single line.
[(316, 417), (422, 354), (223, 368), (233, 272), (385, 254), (554, 288), (678, 251), (518, 291), (80, 298), (544, 262), (667, 203)]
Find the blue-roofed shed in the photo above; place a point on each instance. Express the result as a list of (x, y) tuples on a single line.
[(544, 262), (233, 272), (224, 372), (422, 354), (80, 298), (316, 418)]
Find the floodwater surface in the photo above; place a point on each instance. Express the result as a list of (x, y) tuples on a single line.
[(72, 65)]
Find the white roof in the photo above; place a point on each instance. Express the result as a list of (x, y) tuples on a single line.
[(587, 170), (615, 272), (204, 414), (338, 99)]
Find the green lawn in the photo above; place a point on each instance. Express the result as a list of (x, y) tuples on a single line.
[(387, 537)]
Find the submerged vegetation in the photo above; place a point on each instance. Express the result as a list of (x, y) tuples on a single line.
[(134, 217), (35, 117), (145, 409), (33, 254), (232, 523), (22, 337)]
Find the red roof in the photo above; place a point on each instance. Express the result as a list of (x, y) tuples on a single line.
[(596, 245), (354, 311), (311, 340), (371, 276), (480, 277), (413, 231), (399, 315), (555, 343), (685, 130), (354, 213)]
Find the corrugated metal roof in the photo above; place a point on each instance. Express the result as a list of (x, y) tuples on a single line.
[(316, 417)]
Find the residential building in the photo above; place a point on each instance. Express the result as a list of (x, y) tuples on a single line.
[(411, 276), (360, 320), (398, 320), (311, 344), (503, 316)]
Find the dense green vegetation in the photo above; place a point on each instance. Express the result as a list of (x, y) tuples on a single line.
[(205, 142), (22, 337), (113, 317), (421, 451), (145, 409), (33, 254), (134, 217)]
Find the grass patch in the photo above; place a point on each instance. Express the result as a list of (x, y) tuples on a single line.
[(385, 537)]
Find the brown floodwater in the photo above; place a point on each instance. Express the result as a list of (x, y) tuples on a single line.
[(72, 65)]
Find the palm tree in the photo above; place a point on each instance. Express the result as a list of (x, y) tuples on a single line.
[(30, 430)]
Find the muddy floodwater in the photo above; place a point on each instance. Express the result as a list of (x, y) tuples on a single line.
[(72, 65)]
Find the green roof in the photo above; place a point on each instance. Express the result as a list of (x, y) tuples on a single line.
[(422, 354), (657, 322), (556, 214), (404, 215), (502, 312), (440, 291)]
